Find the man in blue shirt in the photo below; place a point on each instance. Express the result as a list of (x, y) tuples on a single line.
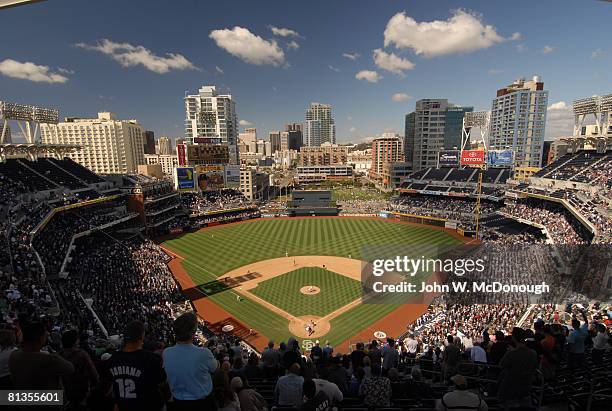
[(575, 342), (288, 390), (189, 368)]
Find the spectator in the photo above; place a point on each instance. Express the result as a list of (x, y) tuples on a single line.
[(315, 400), (376, 390), (390, 356), (7, 346), (249, 399), (461, 399), (518, 369), (575, 342), (226, 398), (288, 390), (335, 373), (450, 358), (330, 389), (189, 368), (600, 344), (478, 354), (139, 380), (33, 369), (357, 356), (85, 376), (271, 361)]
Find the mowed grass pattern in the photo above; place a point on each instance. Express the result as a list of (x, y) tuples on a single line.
[(212, 252), (284, 291)]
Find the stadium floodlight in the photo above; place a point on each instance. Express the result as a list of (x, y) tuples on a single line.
[(585, 106), (28, 117), (471, 119), (15, 3), (605, 104)]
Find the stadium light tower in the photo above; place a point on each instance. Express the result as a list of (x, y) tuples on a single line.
[(28, 118), (599, 107), (473, 119)]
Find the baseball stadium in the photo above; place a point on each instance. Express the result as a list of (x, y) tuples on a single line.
[(270, 222)]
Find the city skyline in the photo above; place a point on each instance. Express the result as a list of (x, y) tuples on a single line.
[(370, 63)]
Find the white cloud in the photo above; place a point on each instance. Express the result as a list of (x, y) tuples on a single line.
[(245, 123), (559, 120), (252, 49), (368, 75), (351, 56), (219, 70), (516, 36), (352, 129), (597, 53), (559, 105), (65, 70), (293, 45), (494, 72), (129, 55), (400, 97), (391, 62), (332, 68), (30, 71), (548, 49), (463, 32), (284, 32), (521, 47)]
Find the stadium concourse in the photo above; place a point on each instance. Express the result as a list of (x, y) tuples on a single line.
[(83, 281)]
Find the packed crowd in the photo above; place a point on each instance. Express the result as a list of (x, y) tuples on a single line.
[(362, 207), (210, 201), (441, 206), (560, 224)]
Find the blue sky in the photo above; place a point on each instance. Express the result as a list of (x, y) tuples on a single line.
[(567, 42)]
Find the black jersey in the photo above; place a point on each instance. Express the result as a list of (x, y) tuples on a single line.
[(136, 377)]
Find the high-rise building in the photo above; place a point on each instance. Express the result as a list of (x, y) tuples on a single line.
[(409, 136), (163, 145), (437, 124), (292, 138), (168, 162), (319, 127), (324, 155), (108, 145), (275, 141), (385, 149), (149, 142), (518, 120), (210, 118)]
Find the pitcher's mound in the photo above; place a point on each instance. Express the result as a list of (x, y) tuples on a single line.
[(298, 326), (310, 290)]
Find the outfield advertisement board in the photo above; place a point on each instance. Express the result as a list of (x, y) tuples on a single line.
[(500, 158), (185, 178), (448, 158), (472, 158)]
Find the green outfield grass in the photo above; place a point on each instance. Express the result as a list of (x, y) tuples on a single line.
[(212, 252), (284, 291)]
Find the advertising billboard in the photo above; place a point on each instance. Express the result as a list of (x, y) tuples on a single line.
[(181, 153), (210, 177), (500, 158), (185, 178), (472, 158), (448, 158)]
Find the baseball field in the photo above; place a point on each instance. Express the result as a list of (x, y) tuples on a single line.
[(276, 278)]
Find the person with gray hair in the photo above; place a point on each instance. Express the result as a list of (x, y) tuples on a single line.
[(189, 367)]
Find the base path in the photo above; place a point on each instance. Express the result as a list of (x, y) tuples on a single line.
[(216, 316)]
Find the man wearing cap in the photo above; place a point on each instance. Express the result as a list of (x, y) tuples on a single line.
[(189, 367), (460, 399), (138, 378)]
